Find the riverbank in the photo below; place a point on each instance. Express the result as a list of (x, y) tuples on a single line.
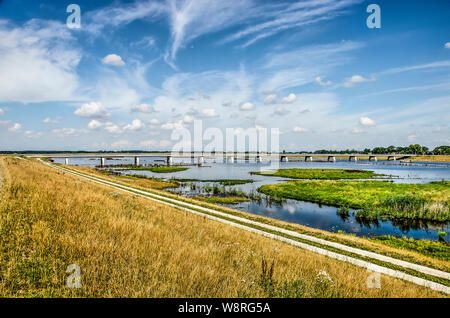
[(127, 246)]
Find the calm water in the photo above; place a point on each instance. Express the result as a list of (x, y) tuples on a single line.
[(305, 213)]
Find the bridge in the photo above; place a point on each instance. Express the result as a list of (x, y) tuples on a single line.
[(230, 157)]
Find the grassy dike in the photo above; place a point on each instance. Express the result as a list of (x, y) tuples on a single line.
[(127, 246), (374, 199)]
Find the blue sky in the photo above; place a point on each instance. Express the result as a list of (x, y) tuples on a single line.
[(137, 70)]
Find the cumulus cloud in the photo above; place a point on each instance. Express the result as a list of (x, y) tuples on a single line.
[(153, 121), (92, 110), (289, 99), (321, 82), (15, 127), (247, 106), (143, 108), (95, 124), (350, 82), (112, 128), (172, 125), (366, 121), (447, 45), (209, 112), (113, 59), (270, 99), (136, 124), (300, 129)]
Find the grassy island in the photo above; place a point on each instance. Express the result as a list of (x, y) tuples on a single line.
[(321, 174)]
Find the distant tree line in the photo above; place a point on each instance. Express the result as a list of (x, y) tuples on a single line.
[(411, 149)]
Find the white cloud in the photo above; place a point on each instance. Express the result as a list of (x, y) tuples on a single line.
[(32, 135), (209, 112), (112, 128), (247, 106), (92, 110), (273, 19), (447, 45), (172, 125), (48, 120), (321, 82), (136, 124), (95, 124), (15, 127), (1, 112), (66, 132), (40, 58), (113, 59), (289, 99), (154, 121), (143, 108), (350, 82), (188, 119), (366, 121), (270, 99), (300, 129)]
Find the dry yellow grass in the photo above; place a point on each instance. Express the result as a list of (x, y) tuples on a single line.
[(128, 246)]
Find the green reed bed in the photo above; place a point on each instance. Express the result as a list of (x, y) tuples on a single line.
[(321, 174), (372, 199)]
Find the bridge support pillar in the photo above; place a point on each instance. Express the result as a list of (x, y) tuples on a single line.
[(284, 159), (258, 159), (136, 161), (353, 158), (391, 158), (231, 159), (102, 162), (66, 161), (169, 160), (201, 160), (308, 158), (373, 158), (331, 159)]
